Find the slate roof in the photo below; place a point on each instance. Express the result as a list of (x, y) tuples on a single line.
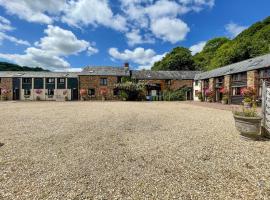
[(161, 75), (105, 71), (247, 65), (29, 74)]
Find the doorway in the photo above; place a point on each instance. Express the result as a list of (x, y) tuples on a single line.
[(74, 94), (16, 94)]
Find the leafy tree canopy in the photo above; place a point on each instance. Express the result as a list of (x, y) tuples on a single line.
[(5, 66), (218, 52), (179, 58)]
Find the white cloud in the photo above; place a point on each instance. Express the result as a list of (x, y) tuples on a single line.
[(145, 58), (92, 50), (5, 26), (61, 42), (4, 36), (161, 18), (172, 30), (93, 12), (144, 16), (197, 48), (34, 11), (51, 50), (234, 29), (134, 37)]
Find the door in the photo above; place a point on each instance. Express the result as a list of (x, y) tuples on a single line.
[(16, 94), (74, 95)]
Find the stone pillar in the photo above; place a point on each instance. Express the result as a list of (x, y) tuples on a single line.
[(228, 86), (212, 87), (253, 80)]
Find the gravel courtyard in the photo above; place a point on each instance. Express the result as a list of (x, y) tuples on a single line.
[(122, 150)]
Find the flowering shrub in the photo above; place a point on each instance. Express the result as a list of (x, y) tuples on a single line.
[(224, 91), (5, 93), (131, 91), (83, 92), (38, 91), (249, 94), (209, 94)]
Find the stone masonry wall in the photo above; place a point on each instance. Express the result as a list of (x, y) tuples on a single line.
[(253, 80), (93, 82), (227, 86), (6, 83), (175, 84), (212, 87)]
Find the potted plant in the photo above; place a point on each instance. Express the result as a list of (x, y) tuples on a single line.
[(225, 95), (209, 95), (225, 99), (38, 92), (200, 96), (249, 95), (83, 94), (103, 93), (5, 93), (248, 122)]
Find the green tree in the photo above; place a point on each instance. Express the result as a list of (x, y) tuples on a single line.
[(179, 58)]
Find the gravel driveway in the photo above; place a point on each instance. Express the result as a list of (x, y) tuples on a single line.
[(122, 150)]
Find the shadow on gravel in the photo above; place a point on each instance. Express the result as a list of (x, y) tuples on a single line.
[(1, 144)]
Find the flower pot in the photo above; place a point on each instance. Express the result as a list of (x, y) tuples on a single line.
[(247, 104), (224, 102), (248, 126)]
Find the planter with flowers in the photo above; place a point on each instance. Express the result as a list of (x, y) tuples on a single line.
[(103, 93), (248, 122), (65, 93), (83, 94), (209, 95), (225, 95), (249, 95), (4, 96), (38, 92)]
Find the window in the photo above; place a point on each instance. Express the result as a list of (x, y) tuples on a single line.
[(27, 80), (50, 80), (0, 91), (27, 92), (103, 81), (91, 92), (168, 82), (50, 92), (237, 91), (196, 83), (61, 80)]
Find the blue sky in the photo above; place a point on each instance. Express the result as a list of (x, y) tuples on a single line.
[(70, 34)]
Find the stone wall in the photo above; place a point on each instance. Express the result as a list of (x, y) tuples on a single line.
[(174, 85), (93, 82), (253, 80), (227, 86), (6, 83)]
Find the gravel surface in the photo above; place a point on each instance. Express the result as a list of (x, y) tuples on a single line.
[(121, 150)]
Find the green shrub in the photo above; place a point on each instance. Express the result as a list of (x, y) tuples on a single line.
[(132, 91), (123, 95), (178, 95)]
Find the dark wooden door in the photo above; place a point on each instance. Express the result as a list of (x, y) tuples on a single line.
[(16, 94), (74, 95)]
